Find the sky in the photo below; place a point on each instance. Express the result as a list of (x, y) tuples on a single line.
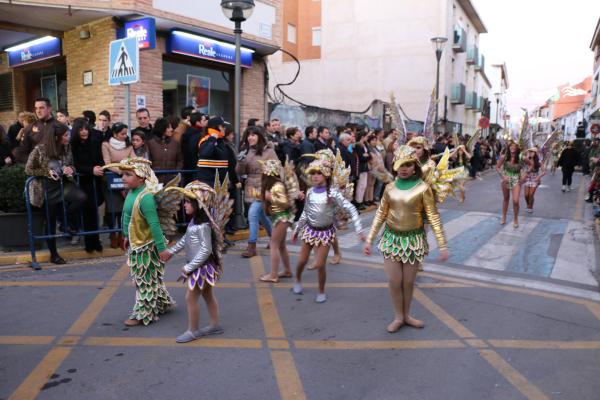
[(545, 43)]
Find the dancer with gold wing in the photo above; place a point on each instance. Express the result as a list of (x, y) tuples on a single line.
[(279, 190), (147, 212), (404, 242), (209, 210)]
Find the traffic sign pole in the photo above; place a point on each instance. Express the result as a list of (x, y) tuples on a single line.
[(128, 105)]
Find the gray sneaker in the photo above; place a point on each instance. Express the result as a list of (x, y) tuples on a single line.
[(187, 336), (209, 330), (297, 289), (321, 298)]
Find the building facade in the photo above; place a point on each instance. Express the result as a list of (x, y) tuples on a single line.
[(353, 52), (499, 111), (189, 63), (594, 108)]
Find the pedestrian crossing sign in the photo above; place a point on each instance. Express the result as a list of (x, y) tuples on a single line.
[(124, 61)]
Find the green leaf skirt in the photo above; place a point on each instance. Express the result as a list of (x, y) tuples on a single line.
[(151, 295), (405, 247)]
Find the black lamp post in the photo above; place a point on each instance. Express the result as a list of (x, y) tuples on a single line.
[(238, 11), (497, 96), (438, 43)]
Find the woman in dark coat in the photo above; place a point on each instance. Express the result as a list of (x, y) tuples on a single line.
[(87, 158), (163, 150), (568, 159)]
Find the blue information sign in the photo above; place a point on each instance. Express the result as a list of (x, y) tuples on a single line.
[(123, 61), (143, 29), (197, 46), (34, 50)]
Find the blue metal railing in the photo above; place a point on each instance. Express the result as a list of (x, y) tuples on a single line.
[(109, 210)]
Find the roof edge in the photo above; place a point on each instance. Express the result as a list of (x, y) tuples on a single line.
[(471, 12)]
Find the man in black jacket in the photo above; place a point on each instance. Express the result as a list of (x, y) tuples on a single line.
[(308, 144), (189, 145), (568, 159), (291, 144), (323, 139), (215, 157)]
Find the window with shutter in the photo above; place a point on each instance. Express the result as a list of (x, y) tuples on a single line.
[(6, 92)]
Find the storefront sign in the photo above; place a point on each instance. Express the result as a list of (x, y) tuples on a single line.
[(143, 29), (209, 49), (34, 50)]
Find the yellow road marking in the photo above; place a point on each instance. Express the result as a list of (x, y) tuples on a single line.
[(169, 342), (477, 343), (31, 386), (594, 309), (68, 340), (578, 214), (26, 339), (44, 256), (288, 379), (526, 388), (442, 315), (92, 311), (266, 304), (546, 344), (377, 345), (362, 285), (279, 344), (51, 283)]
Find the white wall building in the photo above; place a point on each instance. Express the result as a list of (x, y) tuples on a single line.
[(369, 49)]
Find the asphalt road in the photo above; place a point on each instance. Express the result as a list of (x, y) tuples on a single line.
[(488, 335)]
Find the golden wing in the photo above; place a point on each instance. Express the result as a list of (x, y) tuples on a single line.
[(168, 203), (442, 165), (290, 181), (222, 207), (472, 141)]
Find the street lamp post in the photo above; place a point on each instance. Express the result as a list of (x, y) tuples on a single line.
[(238, 11), (497, 96), (438, 43)]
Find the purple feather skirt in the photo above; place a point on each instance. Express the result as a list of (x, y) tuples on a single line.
[(318, 236), (205, 274)]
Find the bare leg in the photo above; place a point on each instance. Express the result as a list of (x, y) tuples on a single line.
[(409, 273), (337, 254), (278, 237), (302, 260), (393, 270), (193, 308), (532, 196), (505, 199), (285, 256), (516, 192), (212, 305), (321, 253)]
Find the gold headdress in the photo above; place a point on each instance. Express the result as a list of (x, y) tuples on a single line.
[(271, 167), (404, 155), (419, 141), (142, 168), (323, 163)]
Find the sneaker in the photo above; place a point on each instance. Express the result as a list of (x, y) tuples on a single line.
[(187, 336), (568, 188), (297, 289), (564, 188), (209, 330), (75, 240), (529, 210), (321, 298)]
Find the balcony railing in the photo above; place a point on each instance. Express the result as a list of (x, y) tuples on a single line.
[(472, 55), (459, 44), (480, 64), (458, 94), (471, 100)]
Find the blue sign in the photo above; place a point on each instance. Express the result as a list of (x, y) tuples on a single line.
[(206, 48), (123, 61), (143, 29), (34, 50)]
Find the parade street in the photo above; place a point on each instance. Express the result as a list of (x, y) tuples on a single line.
[(514, 314)]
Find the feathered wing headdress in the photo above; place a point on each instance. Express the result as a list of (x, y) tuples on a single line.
[(287, 174), (446, 181), (398, 119), (167, 204), (472, 140), (546, 148), (429, 126), (341, 176), (323, 162)]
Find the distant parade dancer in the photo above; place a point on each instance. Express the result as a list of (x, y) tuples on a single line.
[(144, 235), (403, 244), (316, 224), (209, 210), (534, 171), (510, 167)]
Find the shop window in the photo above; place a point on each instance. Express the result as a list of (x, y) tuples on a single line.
[(6, 92), (206, 89)]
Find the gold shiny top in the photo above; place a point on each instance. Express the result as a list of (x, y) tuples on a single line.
[(428, 168), (403, 210), (139, 230), (279, 199)]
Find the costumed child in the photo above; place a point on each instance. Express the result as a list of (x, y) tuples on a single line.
[(404, 242), (279, 191), (203, 243), (316, 224), (144, 235)]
